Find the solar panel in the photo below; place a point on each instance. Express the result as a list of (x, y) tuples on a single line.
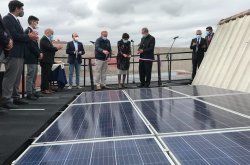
[(201, 90), (101, 96), (124, 152), (96, 121), (218, 148), (182, 115), (238, 103), (151, 93)]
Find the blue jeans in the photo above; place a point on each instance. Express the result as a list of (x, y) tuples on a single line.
[(77, 67)]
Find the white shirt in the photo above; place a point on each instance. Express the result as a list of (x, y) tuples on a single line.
[(76, 45)]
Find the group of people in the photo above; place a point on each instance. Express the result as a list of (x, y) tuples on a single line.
[(19, 47), (199, 45)]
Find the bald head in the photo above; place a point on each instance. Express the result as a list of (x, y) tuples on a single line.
[(48, 32), (104, 33), (198, 32), (75, 36)]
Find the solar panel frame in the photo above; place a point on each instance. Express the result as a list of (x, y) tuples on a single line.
[(218, 144), (139, 149), (140, 94), (210, 91), (137, 116), (95, 97), (241, 124), (237, 103)]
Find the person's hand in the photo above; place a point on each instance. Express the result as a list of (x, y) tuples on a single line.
[(109, 59), (140, 51), (59, 47), (33, 36), (124, 55), (194, 43), (40, 56), (80, 52), (105, 52), (10, 45), (129, 56)]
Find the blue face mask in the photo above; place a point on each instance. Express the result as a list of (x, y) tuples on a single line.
[(51, 37), (208, 33)]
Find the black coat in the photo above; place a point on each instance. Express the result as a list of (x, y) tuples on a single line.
[(101, 45), (201, 51), (32, 50), (123, 48), (71, 52), (20, 39), (48, 50), (4, 36), (148, 46)]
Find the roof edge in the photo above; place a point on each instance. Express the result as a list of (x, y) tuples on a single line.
[(234, 17)]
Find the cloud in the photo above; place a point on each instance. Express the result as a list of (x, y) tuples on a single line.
[(164, 18)]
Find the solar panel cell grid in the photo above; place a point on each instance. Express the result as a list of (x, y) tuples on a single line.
[(130, 152), (219, 148), (96, 121), (101, 96)]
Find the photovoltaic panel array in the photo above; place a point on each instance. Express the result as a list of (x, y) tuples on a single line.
[(125, 152), (210, 149), (123, 127), (96, 121), (183, 115)]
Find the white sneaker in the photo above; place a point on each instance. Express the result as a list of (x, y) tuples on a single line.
[(79, 87), (70, 87)]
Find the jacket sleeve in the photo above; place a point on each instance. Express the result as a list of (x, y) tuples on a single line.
[(4, 37), (98, 46), (45, 45), (82, 49), (151, 46), (17, 37), (68, 51), (33, 46), (191, 45)]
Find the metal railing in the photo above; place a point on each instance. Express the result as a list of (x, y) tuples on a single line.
[(158, 60)]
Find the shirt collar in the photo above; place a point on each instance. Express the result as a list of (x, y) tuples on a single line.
[(14, 16), (31, 28)]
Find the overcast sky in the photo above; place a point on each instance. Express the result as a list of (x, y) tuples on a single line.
[(164, 18)]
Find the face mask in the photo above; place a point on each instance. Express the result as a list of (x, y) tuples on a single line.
[(125, 41), (104, 38), (207, 33), (198, 36), (144, 35), (51, 37), (77, 38)]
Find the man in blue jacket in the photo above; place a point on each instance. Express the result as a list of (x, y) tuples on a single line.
[(103, 53), (75, 50), (15, 59)]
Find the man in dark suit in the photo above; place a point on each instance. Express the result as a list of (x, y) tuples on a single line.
[(6, 43), (199, 47), (75, 50), (209, 35), (146, 51), (49, 51), (15, 59), (32, 55)]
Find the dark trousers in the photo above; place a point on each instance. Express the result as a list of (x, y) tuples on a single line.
[(145, 71), (45, 75), (196, 60)]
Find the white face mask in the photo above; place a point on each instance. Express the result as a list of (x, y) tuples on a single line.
[(77, 39), (104, 38), (198, 35), (125, 41)]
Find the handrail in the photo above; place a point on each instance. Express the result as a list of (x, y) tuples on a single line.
[(158, 61)]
